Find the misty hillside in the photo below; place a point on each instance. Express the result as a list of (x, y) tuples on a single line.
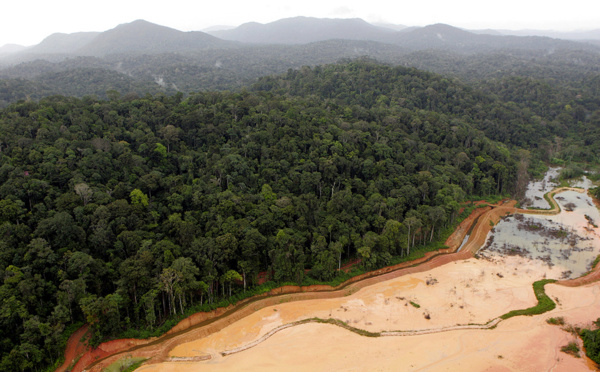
[(142, 37), (572, 35), (304, 30), (11, 49), (139, 37), (145, 37), (441, 36), (63, 43), (140, 56)]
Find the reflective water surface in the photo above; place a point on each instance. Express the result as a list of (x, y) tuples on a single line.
[(565, 245)]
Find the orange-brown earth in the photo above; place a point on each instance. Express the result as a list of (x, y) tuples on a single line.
[(247, 321)]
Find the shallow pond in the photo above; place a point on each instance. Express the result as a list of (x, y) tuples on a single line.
[(565, 245)]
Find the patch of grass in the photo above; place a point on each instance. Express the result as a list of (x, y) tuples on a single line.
[(415, 304), (571, 348), (556, 321), (545, 303), (127, 364), (564, 183), (596, 260)]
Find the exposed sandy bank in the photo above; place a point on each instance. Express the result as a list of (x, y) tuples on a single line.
[(517, 344)]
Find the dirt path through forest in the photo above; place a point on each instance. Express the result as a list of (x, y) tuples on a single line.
[(75, 347)]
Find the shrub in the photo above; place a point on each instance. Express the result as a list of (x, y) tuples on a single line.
[(556, 321), (571, 348)]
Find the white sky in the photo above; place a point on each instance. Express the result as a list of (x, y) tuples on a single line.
[(29, 22)]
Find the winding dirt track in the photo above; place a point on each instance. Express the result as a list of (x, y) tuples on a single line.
[(203, 324)]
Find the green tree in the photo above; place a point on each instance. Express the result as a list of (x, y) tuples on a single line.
[(138, 198), (229, 277)]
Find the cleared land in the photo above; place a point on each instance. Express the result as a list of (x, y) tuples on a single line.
[(448, 289)]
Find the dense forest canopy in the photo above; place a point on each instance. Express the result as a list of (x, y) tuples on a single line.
[(123, 212)]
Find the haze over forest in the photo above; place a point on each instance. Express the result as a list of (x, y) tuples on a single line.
[(143, 57)]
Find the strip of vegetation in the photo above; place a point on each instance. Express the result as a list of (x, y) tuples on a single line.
[(491, 199), (336, 322), (551, 201), (591, 342), (415, 304), (545, 303), (595, 263), (345, 325)]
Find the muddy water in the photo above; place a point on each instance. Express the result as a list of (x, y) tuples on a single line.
[(534, 196), (564, 245)]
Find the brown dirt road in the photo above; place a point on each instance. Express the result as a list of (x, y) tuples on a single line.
[(75, 348)]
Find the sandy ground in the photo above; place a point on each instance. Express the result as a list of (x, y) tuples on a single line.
[(459, 293), (521, 344), (517, 344), (449, 289)]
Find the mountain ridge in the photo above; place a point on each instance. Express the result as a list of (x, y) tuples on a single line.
[(143, 37), (303, 30)]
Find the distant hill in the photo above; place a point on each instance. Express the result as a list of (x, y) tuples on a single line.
[(144, 57), (60, 43), (392, 26), (144, 37), (303, 30), (10, 49), (572, 35), (210, 29), (445, 37), (138, 37)]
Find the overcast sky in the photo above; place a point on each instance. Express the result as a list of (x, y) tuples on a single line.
[(29, 22)]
